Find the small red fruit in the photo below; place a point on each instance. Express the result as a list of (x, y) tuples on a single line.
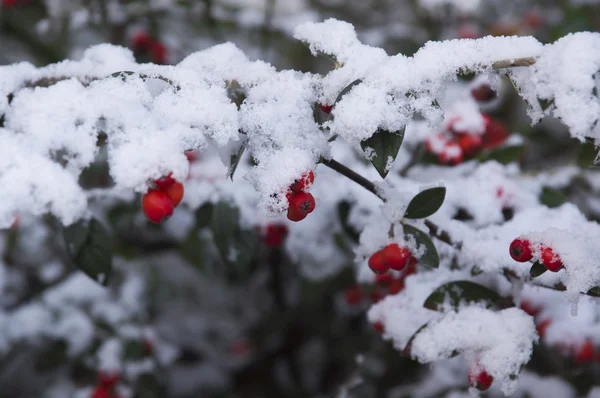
[(530, 308), (157, 206), (483, 93), (326, 108), (396, 287), (101, 392), (108, 380), (495, 133), (274, 235), (466, 32), (586, 353), (378, 326), (175, 193), (452, 154), (353, 295), (542, 327), (385, 279), (532, 19), (397, 257), (436, 143), (303, 183), (159, 52), (301, 204), (470, 143), (520, 250), (376, 296), (191, 156), (164, 182), (142, 41), (551, 260), (377, 263), (480, 380)]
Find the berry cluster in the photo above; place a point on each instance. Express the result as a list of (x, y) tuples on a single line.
[(391, 257), (301, 202), (145, 44), (106, 386), (521, 250), (273, 235), (453, 145), (158, 203)]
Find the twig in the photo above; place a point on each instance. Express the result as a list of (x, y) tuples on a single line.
[(434, 230), (511, 63)]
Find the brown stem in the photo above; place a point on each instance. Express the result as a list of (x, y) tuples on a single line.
[(511, 63), (434, 230)]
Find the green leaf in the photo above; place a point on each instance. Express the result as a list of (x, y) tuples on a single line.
[(408, 349), (587, 155), (204, 215), (235, 158), (426, 203), (537, 269), (343, 211), (385, 145), (346, 90), (89, 246), (134, 350), (545, 104), (236, 246), (507, 154), (431, 257), (552, 197), (455, 293), (595, 291)]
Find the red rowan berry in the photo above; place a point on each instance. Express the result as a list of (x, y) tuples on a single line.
[(157, 206)]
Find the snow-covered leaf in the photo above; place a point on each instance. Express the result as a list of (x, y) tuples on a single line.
[(384, 146), (460, 292), (431, 257)]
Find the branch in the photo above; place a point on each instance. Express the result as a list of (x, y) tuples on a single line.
[(354, 176), (511, 63), (434, 230)]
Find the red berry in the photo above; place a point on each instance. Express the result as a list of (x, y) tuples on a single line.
[(175, 193), (396, 287), (451, 155), (191, 156), (301, 204), (542, 327), (495, 133), (530, 308), (436, 143), (303, 183), (385, 279), (480, 380), (520, 250), (164, 182), (378, 326), (483, 93), (148, 347), (159, 52), (470, 143), (551, 260), (378, 263), (353, 295), (142, 41), (274, 235), (466, 32), (532, 19), (108, 380), (586, 353), (326, 108), (101, 392), (157, 206), (376, 296), (396, 257)]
